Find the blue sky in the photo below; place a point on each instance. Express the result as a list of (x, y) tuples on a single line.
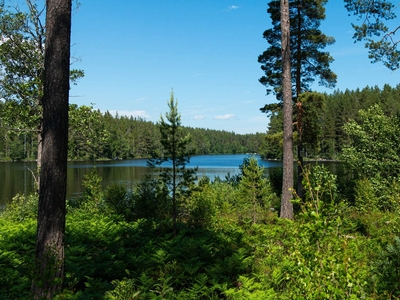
[(134, 52)]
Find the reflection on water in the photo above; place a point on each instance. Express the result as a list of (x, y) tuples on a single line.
[(17, 177)]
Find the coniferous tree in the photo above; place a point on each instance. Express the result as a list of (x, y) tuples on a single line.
[(308, 62), (254, 191), (49, 254), (173, 157), (379, 38), (287, 181)]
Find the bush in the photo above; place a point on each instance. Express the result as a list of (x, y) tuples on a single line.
[(21, 208), (92, 196), (387, 269), (120, 201), (151, 200)]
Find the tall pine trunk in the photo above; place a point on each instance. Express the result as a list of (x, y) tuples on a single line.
[(299, 106), (287, 183), (49, 255)]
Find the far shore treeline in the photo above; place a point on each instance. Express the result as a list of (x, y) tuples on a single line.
[(94, 135)]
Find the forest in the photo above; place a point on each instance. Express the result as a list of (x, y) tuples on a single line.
[(309, 234), (96, 136), (327, 135)]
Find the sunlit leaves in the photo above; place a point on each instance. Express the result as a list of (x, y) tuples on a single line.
[(374, 147), (88, 136)]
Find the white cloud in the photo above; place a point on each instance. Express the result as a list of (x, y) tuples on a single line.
[(233, 7), (199, 117), (224, 117), (130, 113)]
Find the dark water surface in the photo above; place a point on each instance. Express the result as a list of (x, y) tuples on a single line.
[(16, 177)]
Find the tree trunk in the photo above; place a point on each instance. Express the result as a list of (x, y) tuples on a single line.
[(287, 183), (49, 255), (39, 158), (299, 107)]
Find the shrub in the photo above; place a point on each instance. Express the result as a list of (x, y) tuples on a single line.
[(92, 196), (151, 200), (120, 201), (21, 208)]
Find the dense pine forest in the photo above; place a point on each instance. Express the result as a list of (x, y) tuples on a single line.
[(94, 135), (327, 135)]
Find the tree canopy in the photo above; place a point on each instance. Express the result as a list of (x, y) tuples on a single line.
[(309, 63), (379, 37)]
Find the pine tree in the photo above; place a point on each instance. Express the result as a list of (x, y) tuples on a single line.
[(287, 181), (308, 62), (379, 38), (49, 254), (174, 156), (254, 191)]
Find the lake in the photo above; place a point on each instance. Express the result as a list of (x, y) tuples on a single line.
[(16, 177)]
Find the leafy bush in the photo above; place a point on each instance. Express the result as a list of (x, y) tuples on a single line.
[(373, 153), (21, 208), (366, 199), (119, 200), (387, 269), (151, 200), (330, 251), (320, 190), (17, 245), (92, 196), (198, 210)]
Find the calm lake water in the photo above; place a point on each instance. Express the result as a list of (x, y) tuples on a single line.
[(16, 177)]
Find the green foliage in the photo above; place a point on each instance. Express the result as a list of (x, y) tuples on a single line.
[(366, 199), (87, 136), (17, 244), (373, 153), (378, 37), (175, 155), (17, 151), (306, 40), (255, 196), (150, 199), (199, 208), (249, 288), (21, 207), (320, 190), (22, 66), (374, 149), (275, 180), (387, 269), (339, 108), (318, 255), (120, 245), (118, 199), (92, 197), (308, 118)]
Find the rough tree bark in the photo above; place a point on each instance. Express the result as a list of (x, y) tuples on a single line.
[(287, 183), (49, 255)]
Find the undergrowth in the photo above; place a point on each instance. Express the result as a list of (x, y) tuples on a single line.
[(331, 250)]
